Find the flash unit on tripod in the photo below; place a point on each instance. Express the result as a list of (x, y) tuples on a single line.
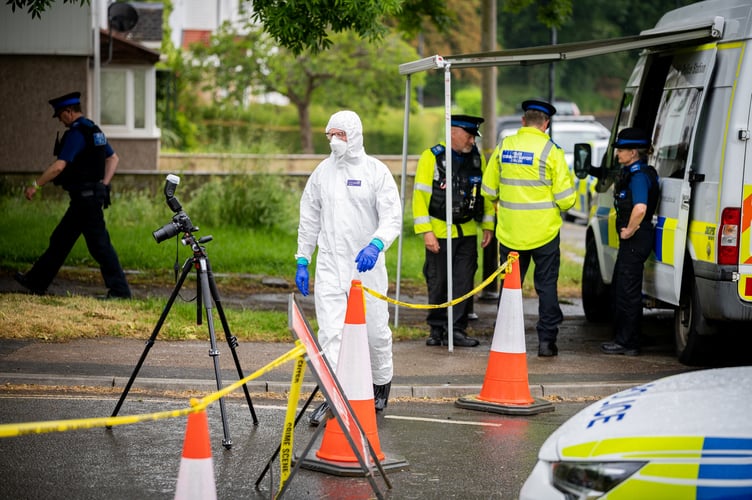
[(171, 183)]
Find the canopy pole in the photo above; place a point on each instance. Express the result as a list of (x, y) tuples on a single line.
[(448, 191), (403, 184)]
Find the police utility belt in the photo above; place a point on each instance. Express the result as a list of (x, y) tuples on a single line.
[(85, 189)]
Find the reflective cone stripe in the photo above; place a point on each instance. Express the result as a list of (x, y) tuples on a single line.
[(354, 375), (196, 474), (506, 378)]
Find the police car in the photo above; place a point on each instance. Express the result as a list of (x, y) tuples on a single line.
[(684, 436)]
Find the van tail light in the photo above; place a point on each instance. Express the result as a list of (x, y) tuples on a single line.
[(728, 236)]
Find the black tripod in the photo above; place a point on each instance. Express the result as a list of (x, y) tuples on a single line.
[(207, 290)]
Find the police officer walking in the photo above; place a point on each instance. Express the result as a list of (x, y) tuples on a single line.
[(84, 167), (528, 178), (470, 212), (636, 195)]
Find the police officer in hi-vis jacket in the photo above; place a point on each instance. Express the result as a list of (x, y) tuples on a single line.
[(528, 178), (471, 214)]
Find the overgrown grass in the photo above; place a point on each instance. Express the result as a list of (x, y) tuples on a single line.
[(57, 318), (265, 251), (64, 318), (26, 227)]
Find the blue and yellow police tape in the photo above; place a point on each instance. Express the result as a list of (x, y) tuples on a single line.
[(13, 430), (469, 294)]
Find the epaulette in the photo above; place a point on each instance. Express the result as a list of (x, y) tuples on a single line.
[(438, 149)]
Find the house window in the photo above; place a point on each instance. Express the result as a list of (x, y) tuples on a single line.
[(126, 106)]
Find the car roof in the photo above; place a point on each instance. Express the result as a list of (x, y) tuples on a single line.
[(710, 403), (571, 125)]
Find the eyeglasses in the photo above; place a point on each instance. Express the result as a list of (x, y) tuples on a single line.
[(338, 135)]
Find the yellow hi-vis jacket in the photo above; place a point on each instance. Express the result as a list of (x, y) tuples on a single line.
[(422, 190), (528, 178)]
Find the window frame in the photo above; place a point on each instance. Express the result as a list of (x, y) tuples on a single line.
[(128, 130)]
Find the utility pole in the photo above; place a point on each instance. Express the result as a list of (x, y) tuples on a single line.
[(488, 104), (488, 76)]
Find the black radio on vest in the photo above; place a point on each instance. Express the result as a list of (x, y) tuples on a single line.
[(467, 203)]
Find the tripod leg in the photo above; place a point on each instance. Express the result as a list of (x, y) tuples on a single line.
[(213, 352), (149, 343), (232, 341)]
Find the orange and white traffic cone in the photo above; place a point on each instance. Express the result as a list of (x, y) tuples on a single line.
[(335, 455), (506, 388), (196, 474)]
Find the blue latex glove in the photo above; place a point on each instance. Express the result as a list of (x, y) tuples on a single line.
[(301, 279), (367, 257)]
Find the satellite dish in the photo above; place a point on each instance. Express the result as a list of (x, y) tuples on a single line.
[(122, 16)]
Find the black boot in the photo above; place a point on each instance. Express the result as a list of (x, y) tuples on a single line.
[(547, 349), (462, 340), (381, 395), (31, 287), (317, 415), (437, 334)]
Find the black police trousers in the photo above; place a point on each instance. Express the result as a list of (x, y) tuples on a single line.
[(464, 265), (545, 279), (627, 286), (84, 216)]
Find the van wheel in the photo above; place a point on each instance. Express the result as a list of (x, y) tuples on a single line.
[(689, 324), (596, 295)]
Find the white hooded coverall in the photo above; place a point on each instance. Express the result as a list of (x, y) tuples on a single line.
[(348, 201)]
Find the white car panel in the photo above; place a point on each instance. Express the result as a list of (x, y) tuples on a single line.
[(693, 430)]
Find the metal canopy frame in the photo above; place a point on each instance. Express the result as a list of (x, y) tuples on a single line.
[(679, 34)]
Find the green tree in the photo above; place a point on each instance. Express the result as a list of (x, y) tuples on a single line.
[(521, 25), (229, 66), (352, 73), (309, 26)]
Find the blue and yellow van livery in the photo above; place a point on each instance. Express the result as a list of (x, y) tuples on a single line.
[(696, 99)]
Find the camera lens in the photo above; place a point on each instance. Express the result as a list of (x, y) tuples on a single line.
[(166, 232)]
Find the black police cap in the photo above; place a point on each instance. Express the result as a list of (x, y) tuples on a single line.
[(60, 103), (469, 124), (539, 105), (632, 138)]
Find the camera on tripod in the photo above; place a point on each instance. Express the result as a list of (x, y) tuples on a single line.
[(180, 223)]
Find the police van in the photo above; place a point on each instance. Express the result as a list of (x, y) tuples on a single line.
[(696, 100)]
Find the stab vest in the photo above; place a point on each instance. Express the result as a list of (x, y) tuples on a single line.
[(623, 195), (467, 202), (88, 165)]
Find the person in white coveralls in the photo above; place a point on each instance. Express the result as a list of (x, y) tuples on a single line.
[(352, 211)]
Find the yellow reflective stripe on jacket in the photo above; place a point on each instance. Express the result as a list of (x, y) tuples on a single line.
[(531, 182), (425, 173)]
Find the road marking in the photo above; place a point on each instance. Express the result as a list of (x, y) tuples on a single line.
[(442, 421)]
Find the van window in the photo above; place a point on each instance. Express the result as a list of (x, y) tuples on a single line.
[(673, 130)]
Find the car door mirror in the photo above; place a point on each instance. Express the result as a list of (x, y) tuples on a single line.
[(583, 161)]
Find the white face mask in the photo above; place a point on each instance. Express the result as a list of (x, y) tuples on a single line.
[(338, 146)]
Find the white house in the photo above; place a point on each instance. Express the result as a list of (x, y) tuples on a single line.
[(70, 49)]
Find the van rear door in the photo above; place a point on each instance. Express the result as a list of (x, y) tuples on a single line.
[(673, 142)]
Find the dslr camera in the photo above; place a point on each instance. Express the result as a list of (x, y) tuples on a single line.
[(180, 223)]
